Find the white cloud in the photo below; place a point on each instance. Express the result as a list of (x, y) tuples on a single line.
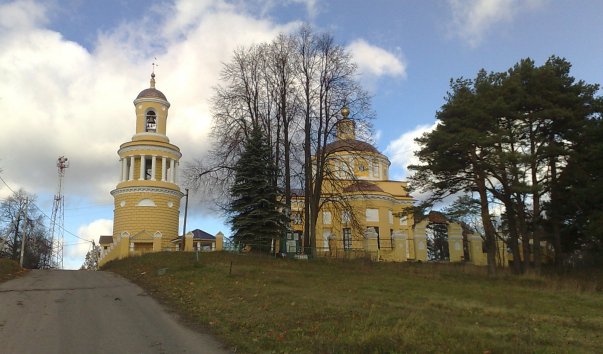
[(96, 228), (472, 19), (187, 14), (374, 62), (22, 15), (311, 6), (402, 150), (59, 98), (74, 253)]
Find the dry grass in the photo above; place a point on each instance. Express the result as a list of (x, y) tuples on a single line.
[(322, 306), (9, 269)]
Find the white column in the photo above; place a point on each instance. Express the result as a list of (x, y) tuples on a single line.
[(131, 176), (163, 168), (153, 167), (176, 172), (172, 171), (142, 166), (124, 169)]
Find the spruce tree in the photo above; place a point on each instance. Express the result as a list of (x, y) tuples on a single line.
[(255, 209)]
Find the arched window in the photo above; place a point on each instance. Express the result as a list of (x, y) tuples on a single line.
[(376, 168), (151, 122)]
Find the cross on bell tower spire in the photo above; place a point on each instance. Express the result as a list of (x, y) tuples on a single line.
[(153, 74)]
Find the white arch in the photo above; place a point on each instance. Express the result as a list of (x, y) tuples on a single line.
[(146, 203)]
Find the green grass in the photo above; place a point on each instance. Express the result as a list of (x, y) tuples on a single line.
[(9, 269), (325, 306)]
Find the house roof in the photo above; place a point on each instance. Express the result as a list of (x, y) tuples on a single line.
[(199, 235), (437, 218), (202, 235), (103, 240)]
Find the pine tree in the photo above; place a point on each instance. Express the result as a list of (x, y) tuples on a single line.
[(256, 218)]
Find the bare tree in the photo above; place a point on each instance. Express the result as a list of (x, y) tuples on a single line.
[(19, 217), (239, 103), (92, 256), (327, 77), (294, 88)]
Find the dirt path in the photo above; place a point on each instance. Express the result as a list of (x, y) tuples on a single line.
[(52, 311)]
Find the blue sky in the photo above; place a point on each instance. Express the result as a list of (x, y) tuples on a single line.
[(70, 69)]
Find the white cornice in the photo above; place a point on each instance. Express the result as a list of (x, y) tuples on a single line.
[(149, 99), (368, 155), (149, 147), (160, 190), (376, 197)]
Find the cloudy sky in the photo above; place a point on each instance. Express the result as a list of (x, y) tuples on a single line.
[(70, 69)]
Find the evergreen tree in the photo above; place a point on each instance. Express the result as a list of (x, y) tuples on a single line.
[(514, 137), (255, 209), (578, 202), (437, 242)]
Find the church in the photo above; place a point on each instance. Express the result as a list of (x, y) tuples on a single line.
[(366, 214)]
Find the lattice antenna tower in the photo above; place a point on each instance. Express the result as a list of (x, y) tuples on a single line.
[(57, 219)]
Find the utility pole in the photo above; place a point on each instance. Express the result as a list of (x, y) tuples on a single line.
[(57, 218), (185, 213), (24, 238)]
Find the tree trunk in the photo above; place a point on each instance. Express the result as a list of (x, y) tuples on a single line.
[(514, 237), (15, 249), (309, 235), (525, 237), (536, 221), (554, 217), (488, 227)]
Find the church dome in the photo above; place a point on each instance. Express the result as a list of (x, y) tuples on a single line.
[(151, 93), (346, 137), (350, 145)]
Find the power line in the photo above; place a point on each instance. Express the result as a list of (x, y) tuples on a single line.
[(6, 184), (44, 214), (75, 244), (90, 206)]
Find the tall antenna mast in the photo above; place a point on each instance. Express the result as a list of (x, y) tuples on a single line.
[(57, 219)]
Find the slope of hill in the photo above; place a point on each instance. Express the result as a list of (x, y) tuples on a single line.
[(262, 304)]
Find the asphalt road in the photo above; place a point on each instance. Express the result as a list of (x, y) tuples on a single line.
[(62, 311)]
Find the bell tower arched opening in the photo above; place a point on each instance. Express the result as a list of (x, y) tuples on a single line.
[(151, 122)]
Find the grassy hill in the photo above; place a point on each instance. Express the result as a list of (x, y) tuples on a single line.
[(259, 304), (8, 269)]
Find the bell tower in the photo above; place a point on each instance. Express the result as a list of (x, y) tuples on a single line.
[(147, 197)]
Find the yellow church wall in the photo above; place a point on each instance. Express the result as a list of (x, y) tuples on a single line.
[(359, 243), (117, 250), (395, 188), (361, 167), (399, 207), (135, 219)]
